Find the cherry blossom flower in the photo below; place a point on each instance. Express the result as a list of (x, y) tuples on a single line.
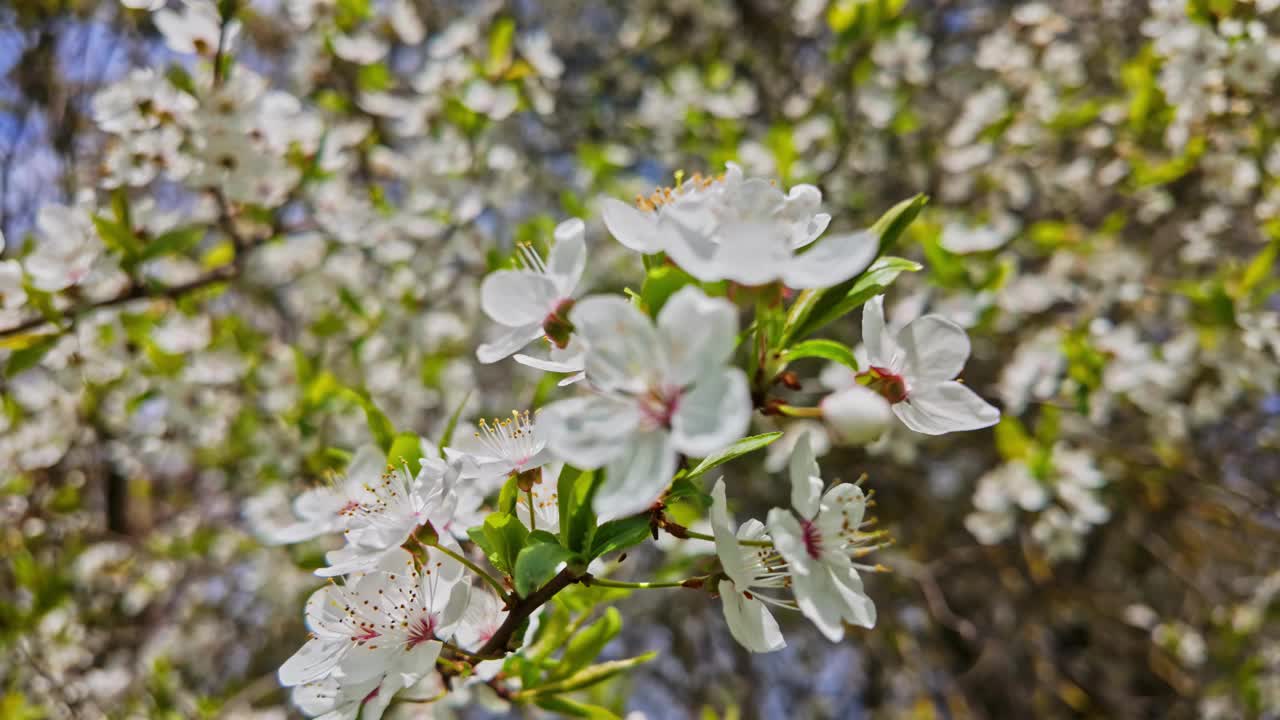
[(196, 29), (748, 568), (500, 448), (66, 250), (658, 392), (326, 509), (534, 302), (914, 371), (332, 699), (821, 541), (744, 230), (391, 509), (12, 294), (391, 619)]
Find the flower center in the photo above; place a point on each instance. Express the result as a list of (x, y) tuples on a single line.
[(890, 385), (659, 405), (667, 195), (422, 630), (812, 539), (512, 439), (556, 326)]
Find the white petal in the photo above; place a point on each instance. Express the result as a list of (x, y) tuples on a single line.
[(935, 348), (726, 543), (623, 349), (314, 660), (857, 608), (637, 477), (568, 257), (833, 260), (945, 407), (788, 539), (806, 482), (699, 332), (588, 431), (750, 622), (510, 341), (821, 602), (516, 298), (368, 658), (630, 226), (751, 253), (713, 413), (873, 333)]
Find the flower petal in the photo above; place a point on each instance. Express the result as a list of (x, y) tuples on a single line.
[(935, 349), (806, 482), (750, 622), (510, 341), (568, 258), (632, 227), (945, 407), (699, 333), (623, 349), (637, 477), (588, 431), (314, 660), (713, 413), (879, 346), (726, 543), (517, 298), (788, 539), (820, 601), (831, 261)]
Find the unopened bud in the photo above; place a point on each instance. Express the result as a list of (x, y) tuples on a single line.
[(856, 414)]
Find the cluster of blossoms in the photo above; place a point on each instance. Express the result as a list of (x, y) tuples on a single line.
[(286, 244), (660, 382)]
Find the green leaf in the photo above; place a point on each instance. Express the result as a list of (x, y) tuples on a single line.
[(1260, 268), (118, 238), (453, 424), (588, 676), (682, 488), (825, 349), (537, 563), (660, 283), (505, 537), (509, 495), (893, 223), (384, 433), (584, 646), (576, 489), (572, 708), (31, 355), (1012, 439), (407, 449), (738, 449), (846, 297), (619, 534), (174, 242)]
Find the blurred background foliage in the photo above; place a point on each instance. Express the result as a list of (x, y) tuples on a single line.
[(1104, 218)]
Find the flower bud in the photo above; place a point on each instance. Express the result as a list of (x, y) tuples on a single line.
[(856, 415)]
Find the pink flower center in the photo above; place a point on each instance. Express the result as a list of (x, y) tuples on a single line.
[(372, 694), (812, 539), (422, 630), (890, 385), (659, 405)]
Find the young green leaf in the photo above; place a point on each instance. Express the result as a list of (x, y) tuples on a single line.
[(738, 449), (619, 534), (453, 424), (576, 489), (586, 644), (506, 537), (406, 448), (537, 563), (826, 349)]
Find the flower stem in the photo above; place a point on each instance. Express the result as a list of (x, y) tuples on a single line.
[(704, 536), (493, 581), (804, 412), (602, 582)]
